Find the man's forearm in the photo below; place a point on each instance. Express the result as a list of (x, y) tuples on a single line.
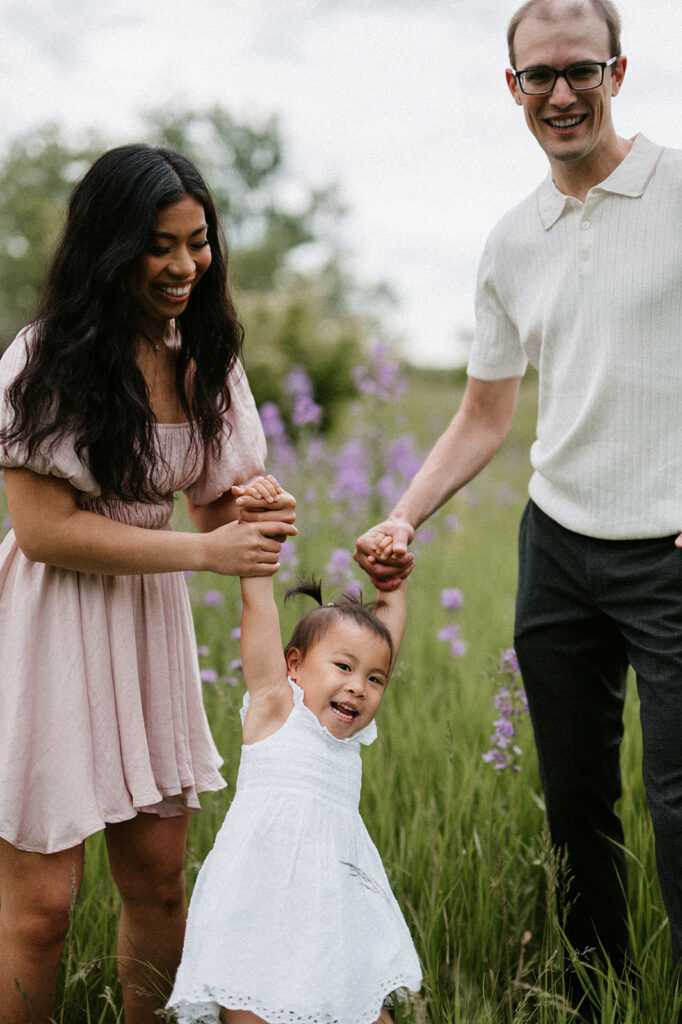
[(467, 445)]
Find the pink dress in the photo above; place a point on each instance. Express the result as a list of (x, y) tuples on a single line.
[(100, 698)]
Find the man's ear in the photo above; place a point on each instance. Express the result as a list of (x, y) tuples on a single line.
[(293, 662), (513, 86), (618, 75)]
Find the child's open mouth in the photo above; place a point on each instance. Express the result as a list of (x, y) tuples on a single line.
[(344, 711)]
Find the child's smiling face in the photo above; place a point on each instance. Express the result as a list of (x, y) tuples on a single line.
[(343, 676)]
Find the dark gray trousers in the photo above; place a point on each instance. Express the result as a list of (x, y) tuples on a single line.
[(587, 608)]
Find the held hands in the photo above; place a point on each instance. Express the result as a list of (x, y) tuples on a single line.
[(251, 545), (263, 500), (382, 553)]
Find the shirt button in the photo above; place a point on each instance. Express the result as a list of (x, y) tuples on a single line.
[(586, 225)]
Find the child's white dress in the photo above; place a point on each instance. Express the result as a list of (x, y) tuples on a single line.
[(292, 915)]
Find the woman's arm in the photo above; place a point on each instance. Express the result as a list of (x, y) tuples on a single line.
[(50, 528), (217, 513)]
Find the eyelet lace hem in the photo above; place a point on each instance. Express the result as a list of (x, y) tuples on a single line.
[(195, 1008)]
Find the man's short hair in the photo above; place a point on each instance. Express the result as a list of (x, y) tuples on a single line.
[(605, 9)]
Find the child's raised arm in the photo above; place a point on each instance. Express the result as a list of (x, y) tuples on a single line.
[(391, 608), (263, 661)]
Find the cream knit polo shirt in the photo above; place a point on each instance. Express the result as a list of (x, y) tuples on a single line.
[(591, 294)]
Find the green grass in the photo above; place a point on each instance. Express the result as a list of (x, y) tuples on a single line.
[(465, 847)]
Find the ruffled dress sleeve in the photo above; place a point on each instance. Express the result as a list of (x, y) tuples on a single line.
[(243, 445), (52, 457)]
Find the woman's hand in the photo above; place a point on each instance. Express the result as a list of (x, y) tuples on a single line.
[(246, 549), (382, 553)]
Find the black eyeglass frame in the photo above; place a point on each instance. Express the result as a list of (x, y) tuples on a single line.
[(563, 73)]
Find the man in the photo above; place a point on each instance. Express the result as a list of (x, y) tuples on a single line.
[(584, 279)]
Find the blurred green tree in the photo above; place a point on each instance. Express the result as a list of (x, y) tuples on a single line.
[(299, 304), (36, 176)]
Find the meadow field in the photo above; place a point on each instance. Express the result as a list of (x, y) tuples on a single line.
[(450, 791)]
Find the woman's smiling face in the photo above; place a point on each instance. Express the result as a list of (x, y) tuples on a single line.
[(177, 258)]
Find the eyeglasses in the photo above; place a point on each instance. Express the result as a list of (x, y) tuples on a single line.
[(580, 77)]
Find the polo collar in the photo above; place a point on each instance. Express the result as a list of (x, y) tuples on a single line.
[(630, 178)]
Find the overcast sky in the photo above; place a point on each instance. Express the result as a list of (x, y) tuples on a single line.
[(402, 102)]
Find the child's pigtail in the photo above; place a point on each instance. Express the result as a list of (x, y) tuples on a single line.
[(309, 587)]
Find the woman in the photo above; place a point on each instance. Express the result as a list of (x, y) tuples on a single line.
[(125, 389)]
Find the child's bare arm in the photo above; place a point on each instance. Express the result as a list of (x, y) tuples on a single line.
[(391, 608), (263, 661)]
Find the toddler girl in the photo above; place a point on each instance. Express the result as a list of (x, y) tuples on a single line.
[(292, 917)]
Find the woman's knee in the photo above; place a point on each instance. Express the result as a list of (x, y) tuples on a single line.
[(150, 868), (41, 927), (160, 884), (36, 903)]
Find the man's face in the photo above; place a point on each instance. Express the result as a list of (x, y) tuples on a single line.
[(570, 126)]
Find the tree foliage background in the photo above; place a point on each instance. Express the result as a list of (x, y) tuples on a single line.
[(295, 296)]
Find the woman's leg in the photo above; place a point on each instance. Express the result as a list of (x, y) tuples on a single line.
[(147, 857), (36, 894)]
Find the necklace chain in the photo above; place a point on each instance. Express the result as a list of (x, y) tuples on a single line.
[(155, 345)]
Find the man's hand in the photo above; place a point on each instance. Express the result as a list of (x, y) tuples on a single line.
[(382, 553)]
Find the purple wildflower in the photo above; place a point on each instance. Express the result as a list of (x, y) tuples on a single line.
[(306, 410), (236, 633), (451, 598), (458, 648), (316, 451), (426, 536), (212, 598), (403, 458), (300, 387), (389, 489), (382, 378), (273, 424), (209, 675), (339, 563), (352, 472), (509, 662), (202, 650), (288, 561), (299, 384), (448, 633), (282, 452), (510, 701)]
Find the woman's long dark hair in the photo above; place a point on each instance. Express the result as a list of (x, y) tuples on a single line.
[(82, 376)]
